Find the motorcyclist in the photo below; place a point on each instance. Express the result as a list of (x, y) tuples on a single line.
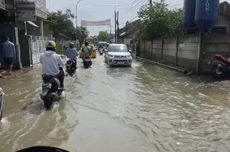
[(52, 64), (72, 53), (86, 50)]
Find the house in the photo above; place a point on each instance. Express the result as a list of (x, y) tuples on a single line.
[(223, 24), (6, 22), (22, 21), (29, 20), (127, 33), (224, 17)]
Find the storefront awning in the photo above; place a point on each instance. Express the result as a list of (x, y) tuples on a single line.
[(33, 24)]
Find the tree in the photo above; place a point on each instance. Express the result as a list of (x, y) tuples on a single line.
[(82, 34), (103, 36), (62, 25), (158, 21)]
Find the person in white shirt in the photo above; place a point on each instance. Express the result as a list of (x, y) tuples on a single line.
[(52, 64)]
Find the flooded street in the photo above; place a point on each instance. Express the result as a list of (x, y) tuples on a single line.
[(144, 108)]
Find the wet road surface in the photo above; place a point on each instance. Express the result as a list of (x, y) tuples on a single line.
[(144, 108)]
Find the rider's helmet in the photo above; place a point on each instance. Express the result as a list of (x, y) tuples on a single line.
[(86, 43), (51, 45), (71, 45)]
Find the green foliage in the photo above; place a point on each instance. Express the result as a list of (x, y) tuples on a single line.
[(158, 21), (103, 36), (82, 34), (62, 25)]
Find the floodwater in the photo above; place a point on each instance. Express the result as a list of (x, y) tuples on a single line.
[(144, 108)]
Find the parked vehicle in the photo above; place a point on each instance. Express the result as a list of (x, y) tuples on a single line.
[(118, 54), (87, 62), (221, 67), (1, 103), (71, 67), (51, 90)]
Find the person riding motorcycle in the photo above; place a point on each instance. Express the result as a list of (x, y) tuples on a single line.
[(86, 50), (72, 53), (52, 64)]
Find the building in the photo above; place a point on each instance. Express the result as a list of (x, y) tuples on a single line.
[(30, 16), (7, 23), (22, 21), (224, 17), (127, 33)]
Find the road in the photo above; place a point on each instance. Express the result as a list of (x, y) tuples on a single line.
[(144, 108)]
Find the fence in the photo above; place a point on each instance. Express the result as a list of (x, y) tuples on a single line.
[(37, 47), (190, 52)]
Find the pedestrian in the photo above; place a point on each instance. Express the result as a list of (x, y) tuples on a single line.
[(9, 54)]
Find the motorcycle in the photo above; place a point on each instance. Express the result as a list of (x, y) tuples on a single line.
[(101, 51), (87, 62), (71, 67), (1, 103), (51, 90), (221, 67)]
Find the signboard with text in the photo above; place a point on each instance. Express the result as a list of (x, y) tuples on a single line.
[(96, 23), (26, 11)]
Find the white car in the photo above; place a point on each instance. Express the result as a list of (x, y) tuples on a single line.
[(118, 54)]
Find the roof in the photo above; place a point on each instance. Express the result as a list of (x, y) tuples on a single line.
[(128, 29), (224, 9), (63, 36)]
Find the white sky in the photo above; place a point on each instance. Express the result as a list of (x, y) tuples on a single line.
[(94, 10)]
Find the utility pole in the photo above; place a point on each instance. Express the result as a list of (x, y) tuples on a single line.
[(116, 25), (115, 36), (77, 41), (117, 20), (151, 3)]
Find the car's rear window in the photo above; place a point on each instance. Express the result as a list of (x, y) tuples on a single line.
[(118, 48)]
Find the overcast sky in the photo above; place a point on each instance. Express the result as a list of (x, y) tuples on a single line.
[(94, 10)]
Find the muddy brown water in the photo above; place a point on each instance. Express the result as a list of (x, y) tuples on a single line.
[(144, 108)]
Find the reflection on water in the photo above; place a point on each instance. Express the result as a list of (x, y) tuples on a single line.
[(175, 113)]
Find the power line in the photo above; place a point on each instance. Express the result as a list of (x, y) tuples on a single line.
[(136, 5), (104, 4)]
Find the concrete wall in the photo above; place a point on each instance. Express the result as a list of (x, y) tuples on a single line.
[(188, 47), (183, 52), (225, 22), (214, 44)]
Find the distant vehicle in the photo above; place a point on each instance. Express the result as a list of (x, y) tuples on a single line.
[(1, 103), (118, 54), (71, 67), (101, 51), (104, 45)]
